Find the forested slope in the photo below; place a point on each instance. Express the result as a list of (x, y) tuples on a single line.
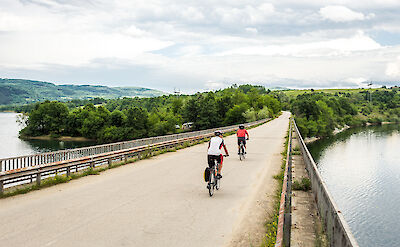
[(18, 91)]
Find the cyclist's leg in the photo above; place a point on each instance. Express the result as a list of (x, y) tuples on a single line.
[(211, 160), (220, 160), (238, 145)]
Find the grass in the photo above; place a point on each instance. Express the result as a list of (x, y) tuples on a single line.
[(58, 179), (295, 93), (304, 184), (271, 224)]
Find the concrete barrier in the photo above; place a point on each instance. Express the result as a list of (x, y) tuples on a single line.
[(335, 226)]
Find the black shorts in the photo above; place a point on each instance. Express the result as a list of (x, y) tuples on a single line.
[(242, 139), (211, 159)]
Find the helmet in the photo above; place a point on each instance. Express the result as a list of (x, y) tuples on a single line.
[(218, 132), (241, 126)]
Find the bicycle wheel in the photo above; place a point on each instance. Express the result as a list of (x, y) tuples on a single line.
[(211, 183), (217, 183)]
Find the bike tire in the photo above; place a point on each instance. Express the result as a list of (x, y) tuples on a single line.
[(217, 183), (211, 183)]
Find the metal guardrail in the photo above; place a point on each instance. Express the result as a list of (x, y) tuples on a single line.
[(338, 232), (284, 219), (96, 155), (7, 164)]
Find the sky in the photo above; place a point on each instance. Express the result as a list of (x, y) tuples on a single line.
[(202, 45)]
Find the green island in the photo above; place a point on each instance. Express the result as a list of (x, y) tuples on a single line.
[(132, 118)]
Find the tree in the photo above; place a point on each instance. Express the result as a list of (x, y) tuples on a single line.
[(47, 117), (235, 115)]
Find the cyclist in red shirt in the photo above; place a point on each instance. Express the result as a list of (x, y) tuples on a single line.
[(241, 135)]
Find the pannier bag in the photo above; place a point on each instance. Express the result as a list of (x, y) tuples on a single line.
[(207, 174)]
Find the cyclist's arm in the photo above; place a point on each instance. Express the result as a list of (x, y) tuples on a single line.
[(226, 150), (247, 133)]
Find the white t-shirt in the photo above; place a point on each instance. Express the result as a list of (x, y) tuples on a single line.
[(216, 144)]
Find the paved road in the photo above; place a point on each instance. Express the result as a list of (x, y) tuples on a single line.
[(161, 201)]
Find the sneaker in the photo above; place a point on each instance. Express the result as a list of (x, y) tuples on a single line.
[(208, 186), (219, 176)]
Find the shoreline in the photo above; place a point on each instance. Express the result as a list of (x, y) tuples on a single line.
[(61, 138), (309, 140)]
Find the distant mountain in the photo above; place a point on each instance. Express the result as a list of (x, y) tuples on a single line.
[(278, 88), (18, 91)]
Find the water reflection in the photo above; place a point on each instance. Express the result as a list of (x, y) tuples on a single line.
[(11, 145), (361, 169)]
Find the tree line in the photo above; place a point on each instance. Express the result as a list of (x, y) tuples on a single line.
[(319, 114), (133, 118)]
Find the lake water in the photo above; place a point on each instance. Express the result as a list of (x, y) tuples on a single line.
[(361, 168), (11, 145)]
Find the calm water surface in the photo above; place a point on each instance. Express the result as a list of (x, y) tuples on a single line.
[(361, 168), (11, 145)]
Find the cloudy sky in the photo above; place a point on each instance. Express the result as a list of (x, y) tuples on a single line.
[(201, 45)]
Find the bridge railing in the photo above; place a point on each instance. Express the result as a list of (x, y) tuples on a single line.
[(284, 218), (99, 155), (335, 225), (7, 164)]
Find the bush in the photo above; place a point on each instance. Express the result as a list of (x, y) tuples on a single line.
[(304, 184)]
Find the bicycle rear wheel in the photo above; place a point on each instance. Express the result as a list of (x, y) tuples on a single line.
[(241, 152), (211, 183)]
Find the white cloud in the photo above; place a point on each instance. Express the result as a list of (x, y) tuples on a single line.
[(340, 14), (393, 69), (203, 43), (251, 30), (245, 15), (322, 48)]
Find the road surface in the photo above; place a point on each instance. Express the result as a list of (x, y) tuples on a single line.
[(162, 201)]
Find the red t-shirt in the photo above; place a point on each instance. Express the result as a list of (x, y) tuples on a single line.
[(241, 133)]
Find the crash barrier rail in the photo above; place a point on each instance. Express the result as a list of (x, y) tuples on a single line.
[(19, 162), (284, 218), (335, 225), (66, 161)]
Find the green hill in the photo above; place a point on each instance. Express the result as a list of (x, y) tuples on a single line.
[(18, 91)]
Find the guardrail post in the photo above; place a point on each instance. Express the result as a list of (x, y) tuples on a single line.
[(109, 162), (125, 158), (38, 177), (68, 171), (1, 187)]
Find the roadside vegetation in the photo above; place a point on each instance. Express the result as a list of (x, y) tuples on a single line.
[(271, 223), (319, 112), (133, 118)]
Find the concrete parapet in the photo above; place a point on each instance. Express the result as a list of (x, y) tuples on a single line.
[(336, 227)]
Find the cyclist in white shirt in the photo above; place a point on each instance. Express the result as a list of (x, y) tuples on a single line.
[(214, 151)]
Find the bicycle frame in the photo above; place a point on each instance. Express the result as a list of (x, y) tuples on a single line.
[(241, 151), (213, 182)]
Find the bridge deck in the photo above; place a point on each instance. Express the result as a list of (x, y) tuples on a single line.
[(161, 201)]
